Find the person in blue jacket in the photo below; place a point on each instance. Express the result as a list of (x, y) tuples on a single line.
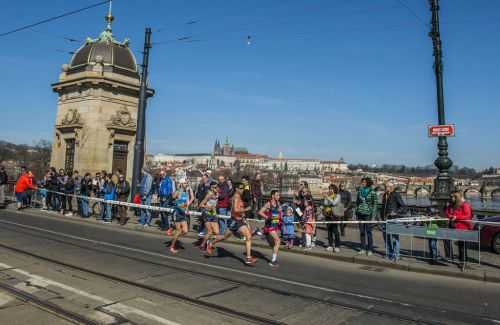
[(109, 190), (146, 192)]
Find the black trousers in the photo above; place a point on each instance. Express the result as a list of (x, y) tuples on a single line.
[(69, 199), (333, 234), (62, 197), (462, 250)]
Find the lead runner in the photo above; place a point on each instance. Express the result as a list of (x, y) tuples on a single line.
[(237, 226)]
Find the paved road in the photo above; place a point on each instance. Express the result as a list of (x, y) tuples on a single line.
[(194, 289)]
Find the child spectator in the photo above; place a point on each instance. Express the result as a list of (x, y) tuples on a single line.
[(309, 223), (288, 227)]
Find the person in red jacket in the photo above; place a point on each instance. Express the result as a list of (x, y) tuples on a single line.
[(24, 183), (459, 212)]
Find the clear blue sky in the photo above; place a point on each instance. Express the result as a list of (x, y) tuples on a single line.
[(325, 79)]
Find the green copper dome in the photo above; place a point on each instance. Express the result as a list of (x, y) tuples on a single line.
[(113, 55)]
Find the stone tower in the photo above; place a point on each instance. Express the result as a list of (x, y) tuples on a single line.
[(97, 107)]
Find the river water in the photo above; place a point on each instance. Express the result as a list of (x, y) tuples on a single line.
[(475, 201)]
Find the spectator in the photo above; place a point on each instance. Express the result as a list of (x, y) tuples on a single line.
[(146, 191), (4, 178), (123, 192), (346, 199), (247, 196), (97, 185), (85, 190), (223, 202), (392, 203), (110, 195), (24, 183), (301, 195), (366, 209), (288, 227), (257, 192), (459, 212), (102, 185), (61, 188), (42, 190), (69, 190), (53, 186), (166, 189), (308, 224), (333, 210), (28, 194), (78, 183)]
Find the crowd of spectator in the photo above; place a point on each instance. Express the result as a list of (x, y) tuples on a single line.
[(295, 220)]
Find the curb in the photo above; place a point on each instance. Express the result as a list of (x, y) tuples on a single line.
[(479, 275)]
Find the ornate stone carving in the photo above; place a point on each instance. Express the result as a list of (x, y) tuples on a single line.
[(71, 117), (122, 119)]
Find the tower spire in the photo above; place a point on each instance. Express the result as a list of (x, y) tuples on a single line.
[(109, 17)]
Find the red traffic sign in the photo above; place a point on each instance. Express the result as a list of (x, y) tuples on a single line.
[(447, 130)]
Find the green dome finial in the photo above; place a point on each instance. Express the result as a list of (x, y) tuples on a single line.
[(107, 34)]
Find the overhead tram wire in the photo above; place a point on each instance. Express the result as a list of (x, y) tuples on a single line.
[(244, 30), (420, 19), (47, 20)]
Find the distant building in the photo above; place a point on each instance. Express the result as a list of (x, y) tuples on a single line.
[(227, 155), (334, 166)]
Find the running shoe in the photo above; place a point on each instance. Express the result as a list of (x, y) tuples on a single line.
[(250, 261), (210, 249), (329, 249), (203, 248), (273, 264), (257, 232), (336, 250)]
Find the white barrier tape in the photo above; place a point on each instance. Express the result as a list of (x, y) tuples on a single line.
[(197, 213)]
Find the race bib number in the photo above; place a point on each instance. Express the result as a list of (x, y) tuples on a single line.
[(275, 220)]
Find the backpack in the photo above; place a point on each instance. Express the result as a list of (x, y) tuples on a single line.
[(166, 187)]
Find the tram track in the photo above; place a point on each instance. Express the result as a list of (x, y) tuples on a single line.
[(368, 308), (49, 306)]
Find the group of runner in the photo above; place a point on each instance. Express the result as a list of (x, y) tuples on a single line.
[(237, 225)]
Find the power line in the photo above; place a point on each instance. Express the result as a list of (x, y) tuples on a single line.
[(412, 12), (69, 13)]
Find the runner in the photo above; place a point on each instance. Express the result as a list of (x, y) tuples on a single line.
[(209, 208), (237, 226), (183, 197), (271, 212)]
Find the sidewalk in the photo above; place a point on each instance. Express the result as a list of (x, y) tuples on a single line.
[(489, 270)]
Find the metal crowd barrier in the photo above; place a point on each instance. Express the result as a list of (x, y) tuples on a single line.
[(427, 233)]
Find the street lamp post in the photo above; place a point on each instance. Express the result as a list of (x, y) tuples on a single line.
[(141, 116), (443, 183)]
